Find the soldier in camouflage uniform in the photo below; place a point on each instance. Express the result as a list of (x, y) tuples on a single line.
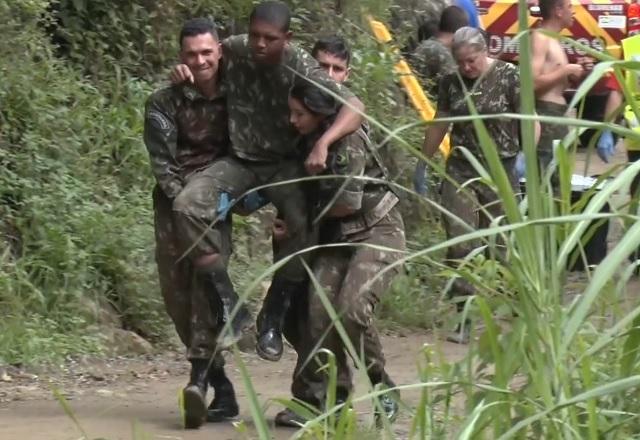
[(185, 131), (495, 88), (333, 55), (423, 15), (432, 60), (350, 210), (259, 70)]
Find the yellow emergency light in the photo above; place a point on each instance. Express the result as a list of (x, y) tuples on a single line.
[(409, 82)]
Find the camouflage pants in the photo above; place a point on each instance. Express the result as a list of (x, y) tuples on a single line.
[(353, 278), (235, 177), (465, 204), (196, 211), (185, 300), (308, 385), (549, 132)]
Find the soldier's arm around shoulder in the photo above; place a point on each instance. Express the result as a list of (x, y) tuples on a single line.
[(349, 118), (235, 47), (160, 138)]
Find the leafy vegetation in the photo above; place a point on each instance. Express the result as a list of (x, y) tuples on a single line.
[(75, 228), (561, 365), (76, 220)]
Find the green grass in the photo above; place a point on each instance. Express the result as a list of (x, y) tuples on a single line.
[(75, 224), (558, 370)]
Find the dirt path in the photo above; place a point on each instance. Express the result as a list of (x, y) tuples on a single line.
[(109, 397), (112, 398)]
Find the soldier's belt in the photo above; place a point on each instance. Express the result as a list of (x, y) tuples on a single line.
[(364, 221)]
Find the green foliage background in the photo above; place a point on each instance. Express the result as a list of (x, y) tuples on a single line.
[(76, 227), (75, 208)]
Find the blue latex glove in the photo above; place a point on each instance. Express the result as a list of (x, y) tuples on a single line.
[(253, 201), (520, 166), (420, 178), (224, 205), (606, 146)]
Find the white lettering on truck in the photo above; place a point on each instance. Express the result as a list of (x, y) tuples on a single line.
[(505, 44)]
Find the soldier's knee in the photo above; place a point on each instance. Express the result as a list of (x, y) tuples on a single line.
[(357, 310), (183, 200), (280, 231), (207, 261)]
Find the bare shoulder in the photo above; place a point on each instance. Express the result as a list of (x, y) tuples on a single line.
[(539, 41)]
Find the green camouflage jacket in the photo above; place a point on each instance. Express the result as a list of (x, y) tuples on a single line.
[(183, 132), (257, 97), (498, 91)]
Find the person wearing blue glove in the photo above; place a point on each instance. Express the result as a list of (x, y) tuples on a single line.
[(420, 178), (606, 146)]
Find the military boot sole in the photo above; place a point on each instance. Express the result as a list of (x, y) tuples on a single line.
[(289, 419), (459, 337), (217, 415), (390, 412), (195, 408)]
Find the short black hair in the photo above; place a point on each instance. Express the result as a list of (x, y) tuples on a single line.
[(313, 98), (452, 19), (334, 45), (198, 26), (273, 12), (427, 29), (547, 7)]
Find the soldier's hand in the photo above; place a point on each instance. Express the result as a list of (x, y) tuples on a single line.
[(180, 74), (317, 160), (587, 63), (279, 230), (606, 146)]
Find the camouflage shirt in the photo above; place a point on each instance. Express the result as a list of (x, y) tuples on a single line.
[(257, 97), (432, 61), (407, 14), (183, 132), (497, 92), (350, 157)]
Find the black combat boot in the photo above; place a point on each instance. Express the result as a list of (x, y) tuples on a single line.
[(194, 395), (224, 405), (462, 332), (217, 284), (271, 318), (388, 401), (390, 409), (289, 419)]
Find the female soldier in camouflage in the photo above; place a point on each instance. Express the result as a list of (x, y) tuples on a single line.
[(355, 206), (494, 88)]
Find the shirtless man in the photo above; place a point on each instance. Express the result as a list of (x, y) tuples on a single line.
[(552, 73)]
